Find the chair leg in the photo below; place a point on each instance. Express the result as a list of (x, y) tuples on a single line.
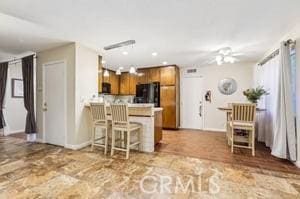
[(122, 139), (232, 138), (93, 138), (139, 139), (112, 142), (128, 144), (105, 140), (253, 142)]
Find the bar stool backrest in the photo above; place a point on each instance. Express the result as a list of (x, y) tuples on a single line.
[(119, 114), (98, 111), (243, 112)]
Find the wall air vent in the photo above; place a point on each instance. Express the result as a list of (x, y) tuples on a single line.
[(191, 71)]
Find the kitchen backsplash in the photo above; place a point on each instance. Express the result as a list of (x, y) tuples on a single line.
[(117, 98)]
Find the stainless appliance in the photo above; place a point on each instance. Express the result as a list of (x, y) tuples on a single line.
[(106, 88), (148, 93)]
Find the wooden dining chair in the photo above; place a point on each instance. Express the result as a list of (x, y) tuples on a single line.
[(99, 116), (121, 124), (243, 118)]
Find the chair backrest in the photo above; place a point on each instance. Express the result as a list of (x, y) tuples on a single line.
[(243, 112), (98, 111), (119, 114)]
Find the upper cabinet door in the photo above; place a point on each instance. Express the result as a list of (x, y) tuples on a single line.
[(154, 75), (124, 84), (132, 84), (168, 75), (114, 81), (143, 77)]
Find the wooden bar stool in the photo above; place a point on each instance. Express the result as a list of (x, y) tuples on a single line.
[(120, 123), (98, 111), (243, 118)]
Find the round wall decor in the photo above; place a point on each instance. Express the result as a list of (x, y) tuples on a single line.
[(227, 86)]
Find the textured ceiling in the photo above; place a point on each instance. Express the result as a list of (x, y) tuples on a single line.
[(185, 32)]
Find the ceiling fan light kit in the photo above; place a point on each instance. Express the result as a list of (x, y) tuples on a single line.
[(225, 56)]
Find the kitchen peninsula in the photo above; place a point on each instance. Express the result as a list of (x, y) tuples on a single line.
[(151, 119)]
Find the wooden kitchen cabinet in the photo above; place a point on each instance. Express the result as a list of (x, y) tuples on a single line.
[(168, 103), (114, 82), (132, 84), (154, 75), (168, 75), (143, 78), (157, 127), (124, 84)]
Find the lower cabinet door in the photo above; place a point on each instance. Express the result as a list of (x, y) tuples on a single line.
[(168, 103)]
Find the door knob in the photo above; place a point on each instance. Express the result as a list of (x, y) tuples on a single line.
[(45, 106)]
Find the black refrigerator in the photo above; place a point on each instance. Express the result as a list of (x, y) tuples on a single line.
[(148, 93)]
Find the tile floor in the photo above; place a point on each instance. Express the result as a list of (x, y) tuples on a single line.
[(30, 170), (212, 146)]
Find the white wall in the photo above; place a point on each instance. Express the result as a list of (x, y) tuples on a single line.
[(86, 78), (82, 78), (66, 53), (14, 107), (215, 119)]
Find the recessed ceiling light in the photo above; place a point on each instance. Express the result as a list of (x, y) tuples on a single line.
[(125, 53), (165, 63), (103, 61), (154, 54)]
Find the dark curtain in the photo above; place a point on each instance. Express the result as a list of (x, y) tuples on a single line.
[(3, 80), (27, 70)]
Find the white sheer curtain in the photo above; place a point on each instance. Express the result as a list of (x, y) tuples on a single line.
[(284, 144), (276, 125), (268, 76)]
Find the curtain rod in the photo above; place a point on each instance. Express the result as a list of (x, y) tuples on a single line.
[(276, 52), (16, 60)]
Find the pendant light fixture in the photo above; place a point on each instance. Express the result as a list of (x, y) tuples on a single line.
[(106, 73), (132, 70)]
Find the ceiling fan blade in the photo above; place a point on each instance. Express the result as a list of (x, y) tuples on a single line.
[(237, 54)]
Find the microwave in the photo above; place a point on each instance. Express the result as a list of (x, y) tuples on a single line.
[(106, 88)]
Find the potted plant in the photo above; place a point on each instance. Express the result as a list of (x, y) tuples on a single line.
[(254, 94)]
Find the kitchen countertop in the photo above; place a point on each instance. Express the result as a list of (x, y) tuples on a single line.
[(136, 109)]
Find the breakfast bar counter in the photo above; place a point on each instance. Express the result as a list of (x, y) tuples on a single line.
[(151, 119)]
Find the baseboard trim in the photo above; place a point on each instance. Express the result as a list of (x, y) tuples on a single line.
[(15, 131), (39, 140), (215, 130), (78, 146)]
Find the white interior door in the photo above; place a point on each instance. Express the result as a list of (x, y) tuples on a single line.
[(55, 103), (192, 102)]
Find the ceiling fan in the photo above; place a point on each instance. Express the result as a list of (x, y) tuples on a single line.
[(226, 55), (223, 55)]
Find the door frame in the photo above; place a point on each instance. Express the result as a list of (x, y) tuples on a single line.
[(65, 98), (185, 75)]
